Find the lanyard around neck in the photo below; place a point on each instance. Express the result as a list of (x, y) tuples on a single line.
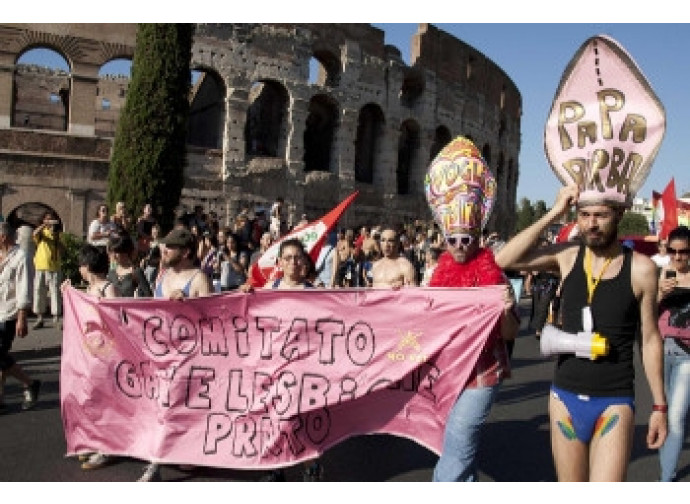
[(591, 281)]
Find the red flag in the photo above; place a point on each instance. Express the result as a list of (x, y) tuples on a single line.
[(312, 235), (567, 232), (668, 201)]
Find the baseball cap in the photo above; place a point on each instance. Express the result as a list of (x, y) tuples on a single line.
[(179, 238)]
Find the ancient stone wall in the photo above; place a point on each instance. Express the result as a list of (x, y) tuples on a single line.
[(260, 128)]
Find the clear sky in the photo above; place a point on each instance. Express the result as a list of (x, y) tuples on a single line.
[(534, 57)]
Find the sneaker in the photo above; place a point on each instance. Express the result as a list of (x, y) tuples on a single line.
[(83, 457), (313, 472), (38, 324), (275, 475), (152, 472), (31, 395), (95, 461)]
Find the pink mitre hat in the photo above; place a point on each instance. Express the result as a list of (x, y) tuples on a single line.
[(605, 126), (460, 188)]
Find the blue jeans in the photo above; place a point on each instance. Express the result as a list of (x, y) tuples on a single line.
[(677, 386), (458, 460)]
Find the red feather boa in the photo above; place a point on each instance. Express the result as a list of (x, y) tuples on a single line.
[(480, 270)]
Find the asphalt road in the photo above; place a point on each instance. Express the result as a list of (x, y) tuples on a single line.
[(515, 445)]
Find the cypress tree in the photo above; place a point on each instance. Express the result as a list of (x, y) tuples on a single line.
[(149, 151)]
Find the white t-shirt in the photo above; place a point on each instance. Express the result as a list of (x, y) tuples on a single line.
[(660, 260), (97, 226)]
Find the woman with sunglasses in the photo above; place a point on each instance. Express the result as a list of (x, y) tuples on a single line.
[(674, 325)]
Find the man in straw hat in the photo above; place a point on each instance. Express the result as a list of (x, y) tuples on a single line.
[(601, 138), (461, 190)]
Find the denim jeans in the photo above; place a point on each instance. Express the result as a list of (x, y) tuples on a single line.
[(677, 386), (458, 460)]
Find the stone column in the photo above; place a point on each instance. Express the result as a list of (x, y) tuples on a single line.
[(344, 153), (82, 117), (6, 86), (294, 158), (77, 223), (385, 177), (234, 155)]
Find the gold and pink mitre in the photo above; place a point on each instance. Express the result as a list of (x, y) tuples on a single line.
[(605, 126), (460, 188)]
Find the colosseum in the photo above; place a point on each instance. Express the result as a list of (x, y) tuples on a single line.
[(262, 123)]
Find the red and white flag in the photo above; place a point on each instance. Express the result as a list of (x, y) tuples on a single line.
[(670, 209), (312, 235)]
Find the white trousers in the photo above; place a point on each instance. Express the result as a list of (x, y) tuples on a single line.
[(47, 283)]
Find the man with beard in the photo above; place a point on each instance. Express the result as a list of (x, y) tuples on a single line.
[(179, 279), (392, 269), (609, 290)]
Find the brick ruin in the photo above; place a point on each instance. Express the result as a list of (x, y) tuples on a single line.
[(259, 126)]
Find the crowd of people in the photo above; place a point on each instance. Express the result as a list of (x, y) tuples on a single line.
[(225, 253), (130, 257)]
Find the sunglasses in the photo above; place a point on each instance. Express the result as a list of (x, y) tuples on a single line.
[(456, 240), (673, 251)]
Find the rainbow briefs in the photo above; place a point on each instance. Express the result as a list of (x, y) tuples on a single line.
[(586, 414)]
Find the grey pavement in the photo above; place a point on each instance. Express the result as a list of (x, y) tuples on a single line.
[(48, 337)]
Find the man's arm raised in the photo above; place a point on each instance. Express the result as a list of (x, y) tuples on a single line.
[(520, 252)]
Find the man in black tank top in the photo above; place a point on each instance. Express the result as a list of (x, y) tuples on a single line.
[(591, 402)]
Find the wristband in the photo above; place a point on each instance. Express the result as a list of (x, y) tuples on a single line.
[(663, 408)]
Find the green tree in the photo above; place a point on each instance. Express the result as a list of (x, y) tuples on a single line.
[(149, 151), (540, 209), (525, 215), (633, 224)]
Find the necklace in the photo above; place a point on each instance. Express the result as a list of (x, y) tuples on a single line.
[(591, 281)]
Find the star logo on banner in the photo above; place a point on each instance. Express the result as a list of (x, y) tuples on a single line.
[(409, 339)]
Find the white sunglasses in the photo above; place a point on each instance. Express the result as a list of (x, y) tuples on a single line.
[(455, 240)]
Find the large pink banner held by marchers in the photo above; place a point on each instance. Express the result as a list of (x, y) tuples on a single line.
[(270, 378)]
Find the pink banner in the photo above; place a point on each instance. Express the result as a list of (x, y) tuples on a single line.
[(270, 378)]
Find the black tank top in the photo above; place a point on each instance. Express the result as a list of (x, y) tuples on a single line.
[(616, 316)]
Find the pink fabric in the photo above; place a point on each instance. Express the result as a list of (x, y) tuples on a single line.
[(266, 379), (606, 124)]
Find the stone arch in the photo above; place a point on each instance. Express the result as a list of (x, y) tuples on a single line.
[(206, 124), (114, 77), (442, 137), (41, 93), (319, 132), (412, 87), (327, 68), (265, 127), (30, 214), (368, 142), (408, 152)]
